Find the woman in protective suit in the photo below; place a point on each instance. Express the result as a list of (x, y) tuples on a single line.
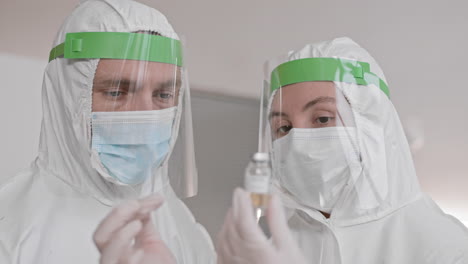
[(342, 169)]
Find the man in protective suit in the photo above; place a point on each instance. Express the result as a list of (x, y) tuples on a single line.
[(116, 126)]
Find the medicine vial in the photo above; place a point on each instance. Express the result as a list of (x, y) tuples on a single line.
[(257, 182)]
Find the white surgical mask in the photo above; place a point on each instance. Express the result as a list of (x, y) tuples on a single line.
[(131, 145), (315, 164)]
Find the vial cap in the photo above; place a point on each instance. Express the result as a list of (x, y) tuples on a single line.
[(261, 157)]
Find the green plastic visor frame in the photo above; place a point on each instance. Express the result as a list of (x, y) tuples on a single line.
[(119, 45), (325, 69)]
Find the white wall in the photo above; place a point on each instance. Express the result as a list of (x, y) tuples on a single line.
[(420, 44)]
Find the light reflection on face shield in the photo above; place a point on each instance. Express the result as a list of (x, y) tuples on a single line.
[(307, 105), (131, 85)]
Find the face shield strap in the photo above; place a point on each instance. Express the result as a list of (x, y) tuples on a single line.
[(119, 45), (325, 69)]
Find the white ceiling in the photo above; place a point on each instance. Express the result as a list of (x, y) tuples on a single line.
[(421, 45)]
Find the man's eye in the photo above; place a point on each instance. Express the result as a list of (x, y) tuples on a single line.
[(164, 95), (114, 93)]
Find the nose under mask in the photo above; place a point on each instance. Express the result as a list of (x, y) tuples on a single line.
[(313, 164), (131, 145)]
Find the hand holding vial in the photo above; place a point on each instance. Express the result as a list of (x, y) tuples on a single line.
[(241, 240)]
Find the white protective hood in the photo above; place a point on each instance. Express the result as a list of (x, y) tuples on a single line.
[(49, 212), (383, 217), (65, 142)]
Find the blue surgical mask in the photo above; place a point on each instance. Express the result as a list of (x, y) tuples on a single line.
[(131, 145)]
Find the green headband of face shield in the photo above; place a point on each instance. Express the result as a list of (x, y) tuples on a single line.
[(325, 69), (119, 45)]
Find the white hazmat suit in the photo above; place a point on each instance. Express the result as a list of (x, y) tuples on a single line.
[(49, 211), (381, 216), (342, 168)]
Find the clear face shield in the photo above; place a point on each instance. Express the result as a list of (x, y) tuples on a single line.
[(140, 124), (310, 130)]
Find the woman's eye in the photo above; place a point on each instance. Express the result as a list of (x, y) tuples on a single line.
[(324, 119), (284, 129)]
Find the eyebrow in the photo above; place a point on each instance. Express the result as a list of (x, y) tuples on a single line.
[(131, 83), (110, 82), (318, 100), (321, 99), (170, 83), (277, 114)]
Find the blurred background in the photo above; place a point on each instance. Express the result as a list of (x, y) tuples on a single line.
[(421, 46)]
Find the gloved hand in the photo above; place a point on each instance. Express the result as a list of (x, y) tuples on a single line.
[(127, 235), (241, 241)]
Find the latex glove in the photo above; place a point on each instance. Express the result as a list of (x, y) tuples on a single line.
[(241, 241), (127, 235)]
